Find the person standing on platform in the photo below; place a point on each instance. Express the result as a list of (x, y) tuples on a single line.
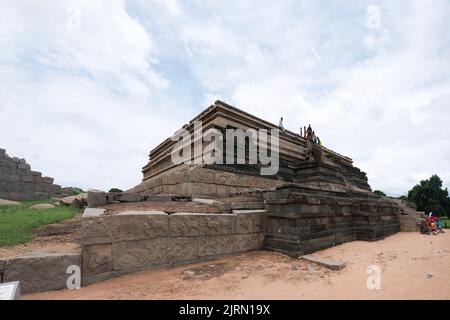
[(281, 125)]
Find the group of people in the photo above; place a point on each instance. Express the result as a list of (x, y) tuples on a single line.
[(310, 135), (307, 133), (432, 224)]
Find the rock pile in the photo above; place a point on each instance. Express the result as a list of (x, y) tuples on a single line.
[(19, 183)]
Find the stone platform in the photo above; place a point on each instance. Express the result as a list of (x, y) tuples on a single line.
[(317, 199)]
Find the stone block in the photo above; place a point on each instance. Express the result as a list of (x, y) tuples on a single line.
[(326, 263), (4, 171), (96, 198), (216, 245), (202, 175), (5, 163), (218, 224), (129, 197), (47, 180), (129, 226), (247, 242), (96, 230), (249, 221), (185, 224), (169, 188), (97, 258), (15, 196), (140, 254), (26, 178), (182, 249), (2, 153), (169, 179), (40, 272), (24, 166), (225, 178), (23, 172)]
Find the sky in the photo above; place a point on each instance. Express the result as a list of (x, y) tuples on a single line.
[(89, 87)]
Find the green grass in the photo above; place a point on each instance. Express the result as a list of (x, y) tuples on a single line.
[(18, 222)]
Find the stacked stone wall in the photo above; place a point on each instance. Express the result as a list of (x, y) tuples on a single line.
[(195, 180), (118, 244), (19, 183), (302, 220)]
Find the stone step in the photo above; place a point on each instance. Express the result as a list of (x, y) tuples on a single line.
[(327, 263)]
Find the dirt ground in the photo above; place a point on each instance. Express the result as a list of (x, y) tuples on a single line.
[(413, 266)]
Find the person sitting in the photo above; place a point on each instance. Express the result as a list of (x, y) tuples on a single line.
[(439, 225)]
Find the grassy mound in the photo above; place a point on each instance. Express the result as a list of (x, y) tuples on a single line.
[(17, 222)]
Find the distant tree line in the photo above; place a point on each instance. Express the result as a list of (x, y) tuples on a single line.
[(429, 196)]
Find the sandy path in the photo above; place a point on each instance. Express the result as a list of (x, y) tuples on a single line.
[(413, 266)]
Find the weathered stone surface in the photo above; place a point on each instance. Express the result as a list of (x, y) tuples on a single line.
[(96, 198), (216, 245), (43, 206), (140, 254), (182, 249), (75, 200), (247, 242), (97, 258), (185, 224), (96, 229), (42, 272), (9, 203), (130, 226), (327, 263), (93, 212), (249, 221), (128, 197), (218, 224), (21, 183)]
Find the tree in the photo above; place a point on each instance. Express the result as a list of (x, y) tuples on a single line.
[(380, 193), (428, 195), (115, 190)]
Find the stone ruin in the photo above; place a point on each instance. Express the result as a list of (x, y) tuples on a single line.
[(19, 183), (317, 199)]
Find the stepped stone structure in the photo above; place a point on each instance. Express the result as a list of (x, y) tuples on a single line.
[(19, 183), (317, 198)]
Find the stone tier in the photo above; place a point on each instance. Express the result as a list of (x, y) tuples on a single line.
[(302, 220), (113, 245), (19, 183)]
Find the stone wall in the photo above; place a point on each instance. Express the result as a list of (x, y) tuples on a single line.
[(409, 217), (39, 272), (19, 183), (303, 220), (195, 180), (133, 241)]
